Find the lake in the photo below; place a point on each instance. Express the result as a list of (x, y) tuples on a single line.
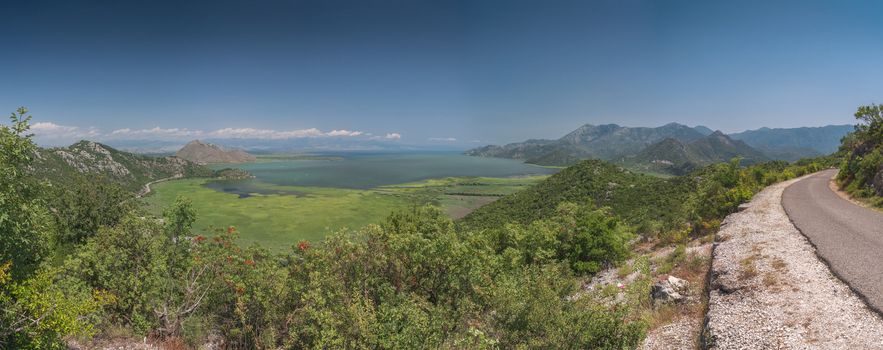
[(293, 200), (365, 171)]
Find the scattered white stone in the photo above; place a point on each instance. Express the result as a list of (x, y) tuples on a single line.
[(770, 291)]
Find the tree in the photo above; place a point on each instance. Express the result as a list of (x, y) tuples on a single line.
[(871, 115), (862, 166), (37, 309), (128, 261), (590, 239), (87, 203), (26, 229), (39, 312)]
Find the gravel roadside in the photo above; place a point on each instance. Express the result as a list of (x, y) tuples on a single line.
[(770, 291)]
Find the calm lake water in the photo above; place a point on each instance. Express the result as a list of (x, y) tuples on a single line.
[(362, 171)]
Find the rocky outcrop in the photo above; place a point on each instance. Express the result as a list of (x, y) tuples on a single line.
[(132, 171), (669, 290), (878, 181), (199, 152)]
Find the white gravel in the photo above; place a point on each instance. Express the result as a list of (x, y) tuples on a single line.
[(770, 291), (679, 335)]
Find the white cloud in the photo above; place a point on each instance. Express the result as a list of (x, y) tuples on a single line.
[(52, 133), (445, 139), (155, 132), (51, 130), (344, 133), (232, 133), (252, 133)]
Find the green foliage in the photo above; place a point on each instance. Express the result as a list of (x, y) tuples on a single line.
[(671, 209), (646, 202), (590, 240), (128, 262), (416, 281), (532, 311), (721, 188), (861, 172), (231, 174), (671, 156), (26, 230), (87, 203), (38, 306), (38, 312)]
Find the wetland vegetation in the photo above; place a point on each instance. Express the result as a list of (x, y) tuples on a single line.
[(293, 198)]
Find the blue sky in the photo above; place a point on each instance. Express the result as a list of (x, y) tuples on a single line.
[(431, 71)]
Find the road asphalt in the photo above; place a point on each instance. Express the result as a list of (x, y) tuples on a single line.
[(847, 236)]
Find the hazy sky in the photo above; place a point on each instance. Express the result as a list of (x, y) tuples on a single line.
[(489, 71)]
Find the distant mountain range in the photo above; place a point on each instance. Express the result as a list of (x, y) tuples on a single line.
[(131, 171), (671, 148), (203, 153), (606, 142), (795, 143)]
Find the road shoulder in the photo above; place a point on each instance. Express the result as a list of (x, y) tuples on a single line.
[(770, 290)]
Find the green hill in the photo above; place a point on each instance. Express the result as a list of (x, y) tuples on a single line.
[(861, 172), (129, 170), (637, 198), (671, 156)]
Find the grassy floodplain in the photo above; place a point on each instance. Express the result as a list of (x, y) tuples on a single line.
[(278, 221)]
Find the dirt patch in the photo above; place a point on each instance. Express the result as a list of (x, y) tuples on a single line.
[(470, 204)]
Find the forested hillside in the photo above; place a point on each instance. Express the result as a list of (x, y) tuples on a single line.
[(671, 156), (639, 199)]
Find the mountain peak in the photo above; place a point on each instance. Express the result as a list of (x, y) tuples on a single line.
[(704, 130), (200, 152), (675, 124)]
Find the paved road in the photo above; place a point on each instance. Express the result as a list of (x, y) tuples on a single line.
[(849, 237), (146, 189)]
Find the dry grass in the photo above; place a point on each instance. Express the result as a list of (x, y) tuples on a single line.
[(749, 267), (749, 264), (771, 282), (693, 269), (667, 314), (779, 264), (173, 344)]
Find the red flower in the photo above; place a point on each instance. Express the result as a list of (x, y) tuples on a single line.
[(303, 245), (199, 238), (231, 229), (248, 262)]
